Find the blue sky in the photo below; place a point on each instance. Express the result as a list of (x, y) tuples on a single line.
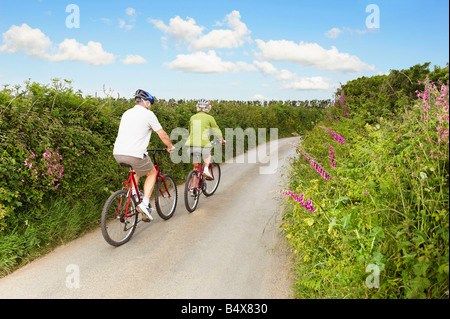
[(232, 50)]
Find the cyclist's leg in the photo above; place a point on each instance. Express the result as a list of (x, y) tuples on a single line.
[(197, 167), (196, 160), (206, 153), (144, 167), (196, 155), (149, 183), (207, 160)]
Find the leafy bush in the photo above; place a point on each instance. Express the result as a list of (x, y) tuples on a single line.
[(384, 205), (386, 95)]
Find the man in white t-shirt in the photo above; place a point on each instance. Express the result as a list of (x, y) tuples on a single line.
[(136, 126)]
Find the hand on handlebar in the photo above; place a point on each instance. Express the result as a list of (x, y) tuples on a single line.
[(170, 150)]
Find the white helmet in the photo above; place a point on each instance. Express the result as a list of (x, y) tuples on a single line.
[(203, 106)]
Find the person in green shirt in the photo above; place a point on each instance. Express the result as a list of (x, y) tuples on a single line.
[(201, 127)]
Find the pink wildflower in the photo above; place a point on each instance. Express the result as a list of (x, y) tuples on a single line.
[(299, 199)]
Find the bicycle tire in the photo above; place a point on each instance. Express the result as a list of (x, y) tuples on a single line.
[(111, 223), (166, 209), (211, 185), (191, 201)]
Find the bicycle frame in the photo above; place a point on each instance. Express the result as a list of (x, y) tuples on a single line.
[(200, 173), (158, 171), (200, 170), (131, 182)]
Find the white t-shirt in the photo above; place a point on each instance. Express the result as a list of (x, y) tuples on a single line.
[(135, 129)]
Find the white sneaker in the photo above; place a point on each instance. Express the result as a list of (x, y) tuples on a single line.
[(207, 174), (141, 208)]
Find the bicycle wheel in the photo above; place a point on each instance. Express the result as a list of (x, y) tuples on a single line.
[(191, 195), (211, 185), (116, 228), (166, 196)]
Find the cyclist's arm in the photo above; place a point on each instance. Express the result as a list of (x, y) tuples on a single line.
[(215, 129), (165, 139)]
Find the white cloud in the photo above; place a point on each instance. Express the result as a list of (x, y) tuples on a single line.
[(333, 33), (131, 17), (92, 53), (201, 62), (133, 59), (188, 31), (258, 97), (285, 75), (234, 37), (308, 83), (244, 66), (291, 81), (35, 43), (179, 29), (265, 67), (130, 12), (311, 55), (124, 25)]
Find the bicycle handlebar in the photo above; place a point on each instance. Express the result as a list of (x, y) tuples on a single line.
[(215, 142)]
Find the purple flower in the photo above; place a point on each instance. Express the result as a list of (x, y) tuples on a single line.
[(299, 199)]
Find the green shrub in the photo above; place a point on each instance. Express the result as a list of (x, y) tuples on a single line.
[(385, 205)]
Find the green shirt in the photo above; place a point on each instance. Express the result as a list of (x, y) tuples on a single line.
[(201, 127)]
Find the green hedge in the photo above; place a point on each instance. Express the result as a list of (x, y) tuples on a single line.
[(379, 222)]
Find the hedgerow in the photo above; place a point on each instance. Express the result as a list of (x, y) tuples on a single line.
[(379, 227)]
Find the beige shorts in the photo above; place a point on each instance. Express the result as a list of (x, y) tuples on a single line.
[(198, 153), (140, 165)]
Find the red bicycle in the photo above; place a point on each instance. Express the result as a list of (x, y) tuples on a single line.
[(196, 183), (119, 215)]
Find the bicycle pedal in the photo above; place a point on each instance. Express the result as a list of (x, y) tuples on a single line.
[(145, 219), (193, 192)]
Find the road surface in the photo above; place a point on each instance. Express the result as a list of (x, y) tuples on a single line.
[(230, 247)]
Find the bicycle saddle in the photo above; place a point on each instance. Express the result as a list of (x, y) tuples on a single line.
[(125, 165)]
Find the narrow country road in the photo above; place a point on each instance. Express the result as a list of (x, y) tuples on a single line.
[(230, 247)]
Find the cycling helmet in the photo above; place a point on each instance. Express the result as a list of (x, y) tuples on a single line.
[(203, 105), (141, 94)]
